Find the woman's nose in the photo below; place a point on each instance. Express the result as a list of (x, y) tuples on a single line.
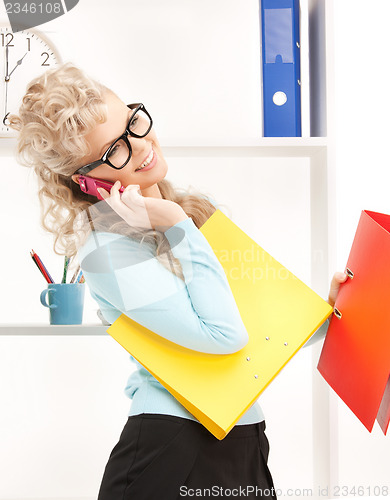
[(138, 144)]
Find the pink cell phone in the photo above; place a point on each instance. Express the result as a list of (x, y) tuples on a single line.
[(90, 184)]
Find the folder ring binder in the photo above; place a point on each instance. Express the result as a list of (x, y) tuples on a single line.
[(281, 67), (217, 389), (355, 357), (337, 313)]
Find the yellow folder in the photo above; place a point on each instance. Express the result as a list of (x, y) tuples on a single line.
[(280, 314)]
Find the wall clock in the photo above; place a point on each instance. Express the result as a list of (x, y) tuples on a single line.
[(23, 56)]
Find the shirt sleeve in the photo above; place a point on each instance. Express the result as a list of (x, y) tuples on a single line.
[(199, 313)]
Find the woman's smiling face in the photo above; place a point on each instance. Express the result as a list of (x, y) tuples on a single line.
[(104, 134)]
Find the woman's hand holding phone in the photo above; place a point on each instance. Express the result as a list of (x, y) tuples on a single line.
[(142, 211)]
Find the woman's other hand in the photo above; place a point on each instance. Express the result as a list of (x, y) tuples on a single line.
[(142, 211), (337, 279)]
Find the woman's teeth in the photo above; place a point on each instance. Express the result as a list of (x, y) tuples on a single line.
[(146, 162)]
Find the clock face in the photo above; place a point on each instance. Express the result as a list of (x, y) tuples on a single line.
[(23, 56)]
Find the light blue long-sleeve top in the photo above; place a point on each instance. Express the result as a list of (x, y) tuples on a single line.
[(199, 313)]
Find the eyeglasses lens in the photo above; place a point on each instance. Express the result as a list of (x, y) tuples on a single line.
[(140, 123), (120, 154)]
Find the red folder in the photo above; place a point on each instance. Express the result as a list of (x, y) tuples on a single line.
[(355, 358)]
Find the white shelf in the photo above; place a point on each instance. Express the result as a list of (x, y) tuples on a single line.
[(262, 147), (206, 147), (248, 142), (31, 329)]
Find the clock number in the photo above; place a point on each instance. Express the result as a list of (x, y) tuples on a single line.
[(44, 62), (28, 44), (3, 35)]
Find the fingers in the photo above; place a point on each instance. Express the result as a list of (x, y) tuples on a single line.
[(130, 205), (137, 204), (113, 198), (131, 191), (103, 193), (131, 197), (338, 278), (131, 187), (114, 193)]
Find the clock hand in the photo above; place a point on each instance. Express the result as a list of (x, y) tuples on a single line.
[(6, 62), (6, 85), (18, 64)]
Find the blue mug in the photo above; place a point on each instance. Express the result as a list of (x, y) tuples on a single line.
[(66, 303)]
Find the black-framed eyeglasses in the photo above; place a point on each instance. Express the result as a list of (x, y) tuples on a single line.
[(119, 153)]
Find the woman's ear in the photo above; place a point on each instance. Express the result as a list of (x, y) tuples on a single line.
[(75, 178)]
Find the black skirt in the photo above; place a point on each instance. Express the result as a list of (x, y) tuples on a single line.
[(166, 457)]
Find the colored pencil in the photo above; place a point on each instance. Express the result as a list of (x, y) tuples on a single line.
[(36, 263), (66, 265), (79, 276), (75, 274), (41, 267)]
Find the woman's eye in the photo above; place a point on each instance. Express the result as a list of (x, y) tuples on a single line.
[(114, 150), (134, 122)]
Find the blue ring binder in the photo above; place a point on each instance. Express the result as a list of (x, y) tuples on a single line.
[(280, 42)]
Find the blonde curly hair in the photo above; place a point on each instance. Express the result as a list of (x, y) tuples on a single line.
[(58, 109)]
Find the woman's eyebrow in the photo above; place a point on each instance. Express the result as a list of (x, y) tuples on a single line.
[(110, 142)]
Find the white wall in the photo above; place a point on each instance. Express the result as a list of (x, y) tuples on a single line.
[(362, 41), (63, 398), (195, 87)]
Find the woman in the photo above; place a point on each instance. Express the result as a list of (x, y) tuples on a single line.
[(136, 262)]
